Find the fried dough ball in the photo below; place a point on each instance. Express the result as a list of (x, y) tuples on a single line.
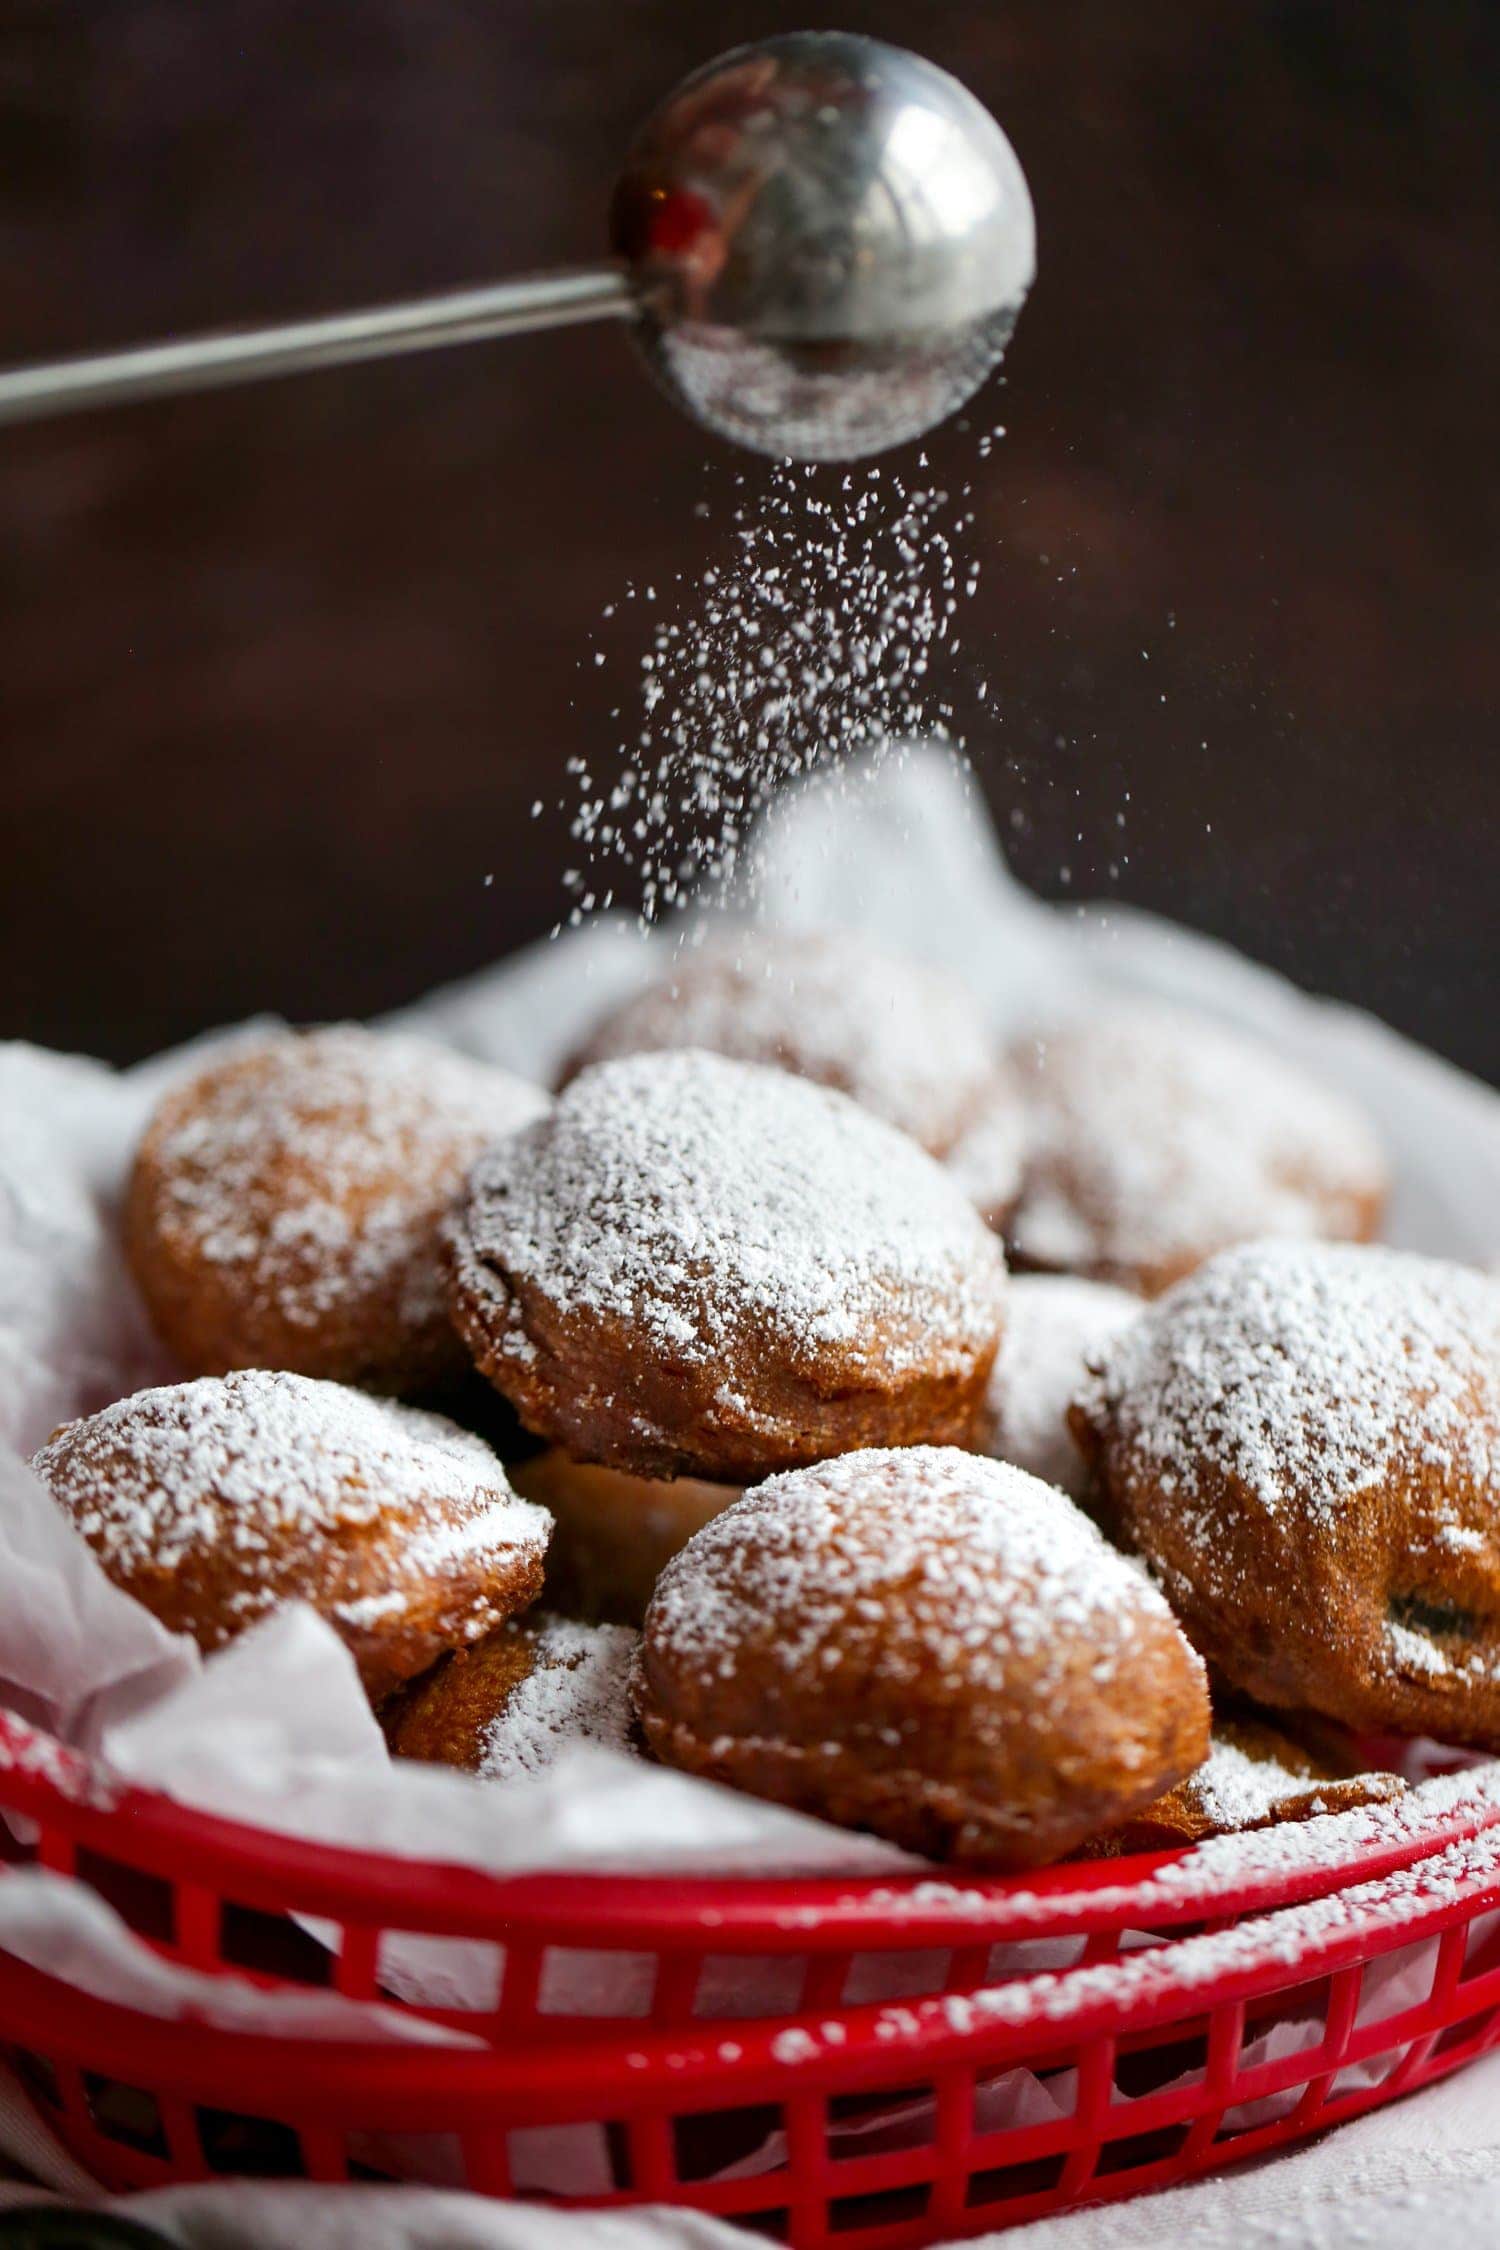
[(1155, 1137), (613, 1534), (1052, 1324), (707, 1268), (285, 1204), (925, 1644), (216, 1501), (1255, 1776), (1304, 1441), (902, 1040), (506, 1708)]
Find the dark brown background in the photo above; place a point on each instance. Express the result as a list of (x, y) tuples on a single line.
[(283, 670)]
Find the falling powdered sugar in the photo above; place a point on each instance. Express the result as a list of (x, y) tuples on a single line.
[(811, 639)]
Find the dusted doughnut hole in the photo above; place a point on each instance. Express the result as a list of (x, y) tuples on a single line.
[(1155, 1138), (903, 1041), (925, 1644), (1052, 1324), (285, 1204), (509, 1706), (705, 1268), (216, 1501), (613, 1534), (1304, 1441), (1255, 1776)]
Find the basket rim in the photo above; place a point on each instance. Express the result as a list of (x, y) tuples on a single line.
[(76, 1798), (451, 2085)]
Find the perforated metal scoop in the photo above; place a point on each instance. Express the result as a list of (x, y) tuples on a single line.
[(822, 243)]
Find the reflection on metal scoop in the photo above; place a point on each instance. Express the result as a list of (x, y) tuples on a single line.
[(823, 243)]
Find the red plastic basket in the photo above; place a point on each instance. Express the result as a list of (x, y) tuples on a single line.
[(927, 2059)]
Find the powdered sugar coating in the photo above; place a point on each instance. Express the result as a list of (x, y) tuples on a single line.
[(1053, 1323), (255, 1474), (927, 1644), (296, 1189), (831, 1005), (1237, 1789), (1155, 1138), (717, 1206), (1309, 1373), (577, 1691), (972, 1562)]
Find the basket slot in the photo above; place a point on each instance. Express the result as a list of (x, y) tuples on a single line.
[(1470, 2036), (240, 2145), (1481, 1946), (128, 2114), (736, 1984), (1145, 2152), (272, 1947), (143, 1900), (706, 2142), (1030, 1957), (1166, 2063), (605, 1982), (859, 2123), (196, 1922), (1024, 2188), (1294, 2022), (917, 1974), (877, 2217)]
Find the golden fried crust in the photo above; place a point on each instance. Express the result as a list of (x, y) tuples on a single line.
[(924, 1644), (1256, 1776), (703, 1268), (613, 1534), (284, 1206), (444, 1718), (507, 1708), (215, 1502), (1304, 1441)]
